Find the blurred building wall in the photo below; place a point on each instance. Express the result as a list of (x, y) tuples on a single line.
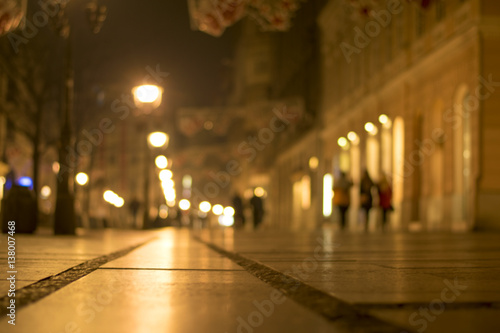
[(426, 69)]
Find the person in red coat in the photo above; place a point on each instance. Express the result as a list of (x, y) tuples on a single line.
[(385, 198)]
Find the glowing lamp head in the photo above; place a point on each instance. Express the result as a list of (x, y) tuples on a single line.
[(229, 211), (161, 162), (147, 93), (205, 206), (109, 196), (217, 209), (259, 192), (81, 178), (45, 192), (313, 163), (184, 204), (371, 128), (165, 175), (158, 139), (342, 142), (353, 137)]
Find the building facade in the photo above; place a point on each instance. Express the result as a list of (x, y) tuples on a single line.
[(414, 90)]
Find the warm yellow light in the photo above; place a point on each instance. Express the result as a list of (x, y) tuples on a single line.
[(161, 161), (55, 167), (170, 197), (226, 221), (158, 139), (81, 178), (259, 192), (353, 137), (371, 128), (342, 142), (163, 212), (171, 203), (147, 93), (165, 175), (205, 206), (383, 119), (187, 181), (217, 209), (109, 196), (119, 202), (45, 191), (229, 211), (184, 204), (313, 163), (306, 191), (327, 194)]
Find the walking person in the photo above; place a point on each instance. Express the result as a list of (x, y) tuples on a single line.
[(341, 197), (385, 198), (239, 216), (258, 210), (366, 198)]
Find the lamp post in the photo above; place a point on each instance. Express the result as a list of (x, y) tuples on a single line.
[(64, 215), (148, 98)]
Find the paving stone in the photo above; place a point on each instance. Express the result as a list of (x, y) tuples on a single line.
[(165, 301)]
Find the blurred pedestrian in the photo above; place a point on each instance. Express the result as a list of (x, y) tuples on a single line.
[(134, 208), (239, 215), (258, 210), (365, 196), (385, 198), (342, 197)]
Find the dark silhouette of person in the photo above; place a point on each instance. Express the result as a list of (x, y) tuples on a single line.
[(342, 197), (239, 216), (366, 199), (134, 208), (385, 198), (258, 210)]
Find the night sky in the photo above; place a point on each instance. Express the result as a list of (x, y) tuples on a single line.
[(137, 34)]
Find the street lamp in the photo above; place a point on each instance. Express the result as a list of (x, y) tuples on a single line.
[(158, 139), (147, 98), (64, 215), (81, 178)]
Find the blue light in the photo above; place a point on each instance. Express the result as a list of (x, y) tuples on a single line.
[(25, 182)]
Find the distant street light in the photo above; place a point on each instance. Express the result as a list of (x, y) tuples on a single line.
[(217, 209), (184, 204), (161, 162), (45, 192), (205, 206), (158, 139), (81, 178), (147, 98)]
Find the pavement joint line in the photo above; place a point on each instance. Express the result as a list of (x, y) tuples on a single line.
[(333, 309), (48, 285)]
